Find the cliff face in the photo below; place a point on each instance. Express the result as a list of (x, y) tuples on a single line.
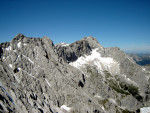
[(38, 76)]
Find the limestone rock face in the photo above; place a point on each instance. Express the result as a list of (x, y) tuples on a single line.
[(37, 76)]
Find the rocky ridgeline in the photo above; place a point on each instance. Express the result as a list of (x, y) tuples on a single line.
[(37, 76)]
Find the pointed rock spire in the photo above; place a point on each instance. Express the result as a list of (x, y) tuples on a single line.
[(18, 37), (47, 41)]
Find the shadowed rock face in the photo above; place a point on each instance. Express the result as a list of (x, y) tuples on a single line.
[(37, 76), (73, 51)]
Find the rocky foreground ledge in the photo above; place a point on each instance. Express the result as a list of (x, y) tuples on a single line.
[(37, 76)]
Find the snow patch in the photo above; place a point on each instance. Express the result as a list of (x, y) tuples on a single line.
[(48, 83), (103, 108), (25, 44), (10, 65), (3, 58), (145, 110), (28, 59), (129, 80), (143, 69), (98, 96), (9, 48), (19, 45), (102, 63), (64, 107), (64, 44), (19, 68)]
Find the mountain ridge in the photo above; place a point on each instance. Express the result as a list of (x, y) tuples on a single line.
[(38, 76)]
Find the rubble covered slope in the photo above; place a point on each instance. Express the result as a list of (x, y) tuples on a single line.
[(37, 76)]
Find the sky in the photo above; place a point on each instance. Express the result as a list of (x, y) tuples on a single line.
[(114, 23)]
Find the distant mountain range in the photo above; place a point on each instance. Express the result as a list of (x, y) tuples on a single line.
[(141, 59)]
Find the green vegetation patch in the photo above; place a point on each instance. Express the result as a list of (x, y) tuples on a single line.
[(116, 87), (127, 111), (133, 90)]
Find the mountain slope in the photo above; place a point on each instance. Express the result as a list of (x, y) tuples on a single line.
[(38, 76)]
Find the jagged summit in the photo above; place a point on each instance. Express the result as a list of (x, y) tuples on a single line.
[(19, 37), (77, 49), (38, 76), (22, 39), (91, 41)]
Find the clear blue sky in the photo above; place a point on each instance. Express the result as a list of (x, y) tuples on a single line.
[(121, 23)]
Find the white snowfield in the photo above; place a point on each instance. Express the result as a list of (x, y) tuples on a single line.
[(95, 59)]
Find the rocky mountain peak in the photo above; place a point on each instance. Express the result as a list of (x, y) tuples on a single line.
[(38, 76), (92, 42), (19, 37), (70, 52), (90, 38), (47, 40)]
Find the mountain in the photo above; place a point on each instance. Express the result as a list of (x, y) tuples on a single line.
[(141, 59), (37, 76)]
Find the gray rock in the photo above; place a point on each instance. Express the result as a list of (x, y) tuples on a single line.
[(36, 76)]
